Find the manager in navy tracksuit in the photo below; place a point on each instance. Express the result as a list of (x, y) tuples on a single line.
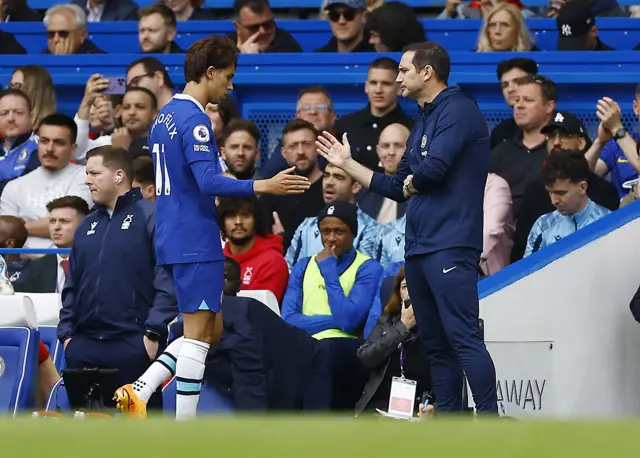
[(116, 304), (442, 174)]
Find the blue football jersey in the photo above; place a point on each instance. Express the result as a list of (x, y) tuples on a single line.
[(181, 140)]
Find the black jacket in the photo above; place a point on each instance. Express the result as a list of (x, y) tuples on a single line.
[(262, 363), (41, 275), (114, 10), (376, 354)]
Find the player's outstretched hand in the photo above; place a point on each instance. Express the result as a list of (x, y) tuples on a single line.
[(282, 184), (332, 150)]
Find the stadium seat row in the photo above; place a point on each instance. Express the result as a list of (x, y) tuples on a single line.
[(619, 33)]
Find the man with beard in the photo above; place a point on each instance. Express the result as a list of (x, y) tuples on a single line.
[(27, 197), (565, 132), (259, 253), (299, 150), (239, 149)]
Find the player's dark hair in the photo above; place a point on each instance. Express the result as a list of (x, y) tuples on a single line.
[(547, 87), (241, 125), (143, 171), (151, 66), (163, 10), (18, 230), (114, 158), (431, 54), (231, 206), (17, 93), (77, 203), (563, 165), (384, 63), (215, 51), (529, 66), (317, 89), (61, 120), (298, 124), (152, 96), (255, 6), (397, 25)]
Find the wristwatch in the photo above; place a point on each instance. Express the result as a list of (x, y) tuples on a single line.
[(152, 335), (620, 133)]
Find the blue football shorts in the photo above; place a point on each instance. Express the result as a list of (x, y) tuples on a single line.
[(199, 285)]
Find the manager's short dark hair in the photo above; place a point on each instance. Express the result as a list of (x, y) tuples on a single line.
[(214, 51), (547, 87), (231, 206), (77, 203), (565, 165), (61, 120), (114, 158), (431, 54)]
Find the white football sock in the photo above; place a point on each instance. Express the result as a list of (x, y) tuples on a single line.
[(159, 372), (189, 373)]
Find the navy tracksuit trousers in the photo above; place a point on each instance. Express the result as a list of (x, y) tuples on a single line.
[(128, 355), (443, 287)]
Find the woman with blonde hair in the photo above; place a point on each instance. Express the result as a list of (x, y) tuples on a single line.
[(36, 82), (504, 29)]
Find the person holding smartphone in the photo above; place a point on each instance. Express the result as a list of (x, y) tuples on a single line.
[(391, 351)]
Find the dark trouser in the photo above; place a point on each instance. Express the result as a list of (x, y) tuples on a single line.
[(348, 374), (444, 291), (128, 355)]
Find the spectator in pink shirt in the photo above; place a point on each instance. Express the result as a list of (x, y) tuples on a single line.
[(499, 227)]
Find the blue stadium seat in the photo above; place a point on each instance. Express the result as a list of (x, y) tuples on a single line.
[(211, 401), (56, 349), (18, 368), (58, 400)]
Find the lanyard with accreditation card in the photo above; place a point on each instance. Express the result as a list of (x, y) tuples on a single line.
[(403, 391)]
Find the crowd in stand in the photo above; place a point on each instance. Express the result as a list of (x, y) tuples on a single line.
[(340, 279)]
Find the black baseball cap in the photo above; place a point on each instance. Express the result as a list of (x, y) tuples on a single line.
[(574, 22), (568, 122)]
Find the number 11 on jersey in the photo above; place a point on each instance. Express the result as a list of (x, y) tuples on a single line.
[(161, 170)]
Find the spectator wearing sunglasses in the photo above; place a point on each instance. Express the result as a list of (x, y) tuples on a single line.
[(256, 30), (347, 19), (67, 31)]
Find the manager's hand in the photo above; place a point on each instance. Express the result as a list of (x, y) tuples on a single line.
[(332, 150), (407, 189)]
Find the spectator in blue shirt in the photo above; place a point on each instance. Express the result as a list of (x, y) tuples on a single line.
[(329, 295), (565, 176)]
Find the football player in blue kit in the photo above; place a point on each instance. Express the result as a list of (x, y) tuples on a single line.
[(188, 177)]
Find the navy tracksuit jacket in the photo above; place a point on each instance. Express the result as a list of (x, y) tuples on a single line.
[(448, 155), (114, 291)]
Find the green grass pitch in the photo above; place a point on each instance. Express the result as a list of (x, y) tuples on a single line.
[(310, 437)]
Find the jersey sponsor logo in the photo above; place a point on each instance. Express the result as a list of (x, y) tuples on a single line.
[(168, 121), (201, 133), (201, 148)]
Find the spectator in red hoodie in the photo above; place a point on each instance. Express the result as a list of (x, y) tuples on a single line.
[(246, 229)]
